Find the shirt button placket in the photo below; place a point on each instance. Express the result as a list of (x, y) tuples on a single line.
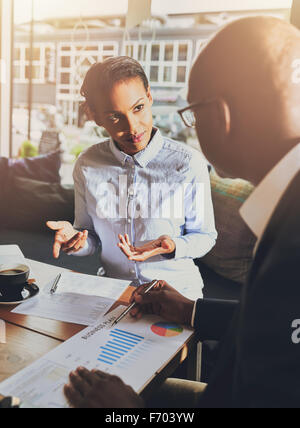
[(130, 197)]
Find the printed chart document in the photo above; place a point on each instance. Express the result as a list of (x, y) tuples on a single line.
[(80, 299), (133, 350)]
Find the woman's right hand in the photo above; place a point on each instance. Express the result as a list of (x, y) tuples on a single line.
[(66, 238)]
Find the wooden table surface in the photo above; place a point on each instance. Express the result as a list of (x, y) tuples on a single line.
[(21, 349), (54, 329)]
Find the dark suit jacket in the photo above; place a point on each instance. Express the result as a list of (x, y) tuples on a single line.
[(259, 365)]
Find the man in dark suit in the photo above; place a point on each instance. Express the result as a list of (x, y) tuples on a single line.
[(244, 96)]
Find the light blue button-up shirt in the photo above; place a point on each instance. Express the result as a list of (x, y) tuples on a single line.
[(162, 190)]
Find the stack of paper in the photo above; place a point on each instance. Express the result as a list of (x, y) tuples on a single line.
[(10, 250), (10, 254), (80, 299)]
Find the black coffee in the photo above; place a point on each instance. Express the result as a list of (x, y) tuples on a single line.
[(11, 272)]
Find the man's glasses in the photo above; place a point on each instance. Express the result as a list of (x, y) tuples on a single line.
[(187, 114), (188, 117)]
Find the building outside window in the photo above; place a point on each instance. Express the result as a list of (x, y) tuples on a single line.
[(65, 47), (167, 63), (73, 62), (43, 63)]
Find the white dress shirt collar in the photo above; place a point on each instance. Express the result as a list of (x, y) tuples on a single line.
[(145, 156), (261, 204)]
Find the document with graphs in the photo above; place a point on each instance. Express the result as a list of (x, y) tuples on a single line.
[(133, 350)]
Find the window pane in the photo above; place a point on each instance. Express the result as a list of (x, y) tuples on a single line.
[(108, 48), (35, 54), (169, 52), (50, 58), (155, 53), (36, 72), (154, 74), (65, 78), (168, 74), (66, 61), (142, 53), (181, 74), (183, 52), (129, 50)]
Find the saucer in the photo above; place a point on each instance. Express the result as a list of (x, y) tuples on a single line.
[(29, 291)]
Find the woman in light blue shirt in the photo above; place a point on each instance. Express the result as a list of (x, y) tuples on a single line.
[(145, 198)]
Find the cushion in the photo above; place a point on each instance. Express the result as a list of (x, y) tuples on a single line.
[(41, 168), (233, 253), (34, 202)]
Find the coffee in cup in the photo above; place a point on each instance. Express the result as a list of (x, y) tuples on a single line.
[(13, 278)]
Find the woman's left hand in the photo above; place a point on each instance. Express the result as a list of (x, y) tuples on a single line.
[(163, 245)]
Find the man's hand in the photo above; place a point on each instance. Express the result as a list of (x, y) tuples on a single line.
[(66, 238), (163, 245), (165, 301), (95, 389)]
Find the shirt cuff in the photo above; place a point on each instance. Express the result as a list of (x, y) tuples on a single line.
[(85, 251), (169, 256), (181, 247), (193, 315)]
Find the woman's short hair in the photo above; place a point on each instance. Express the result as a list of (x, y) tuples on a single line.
[(103, 75)]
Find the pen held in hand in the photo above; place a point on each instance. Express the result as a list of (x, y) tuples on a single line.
[(130, 307)]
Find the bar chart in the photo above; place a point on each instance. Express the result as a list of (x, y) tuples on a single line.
[(121, 344)]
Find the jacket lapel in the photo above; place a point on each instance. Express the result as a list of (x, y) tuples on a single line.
[(279, 215)]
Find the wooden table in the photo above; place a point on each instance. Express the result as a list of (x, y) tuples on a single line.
[(29, 338), (23, 347)]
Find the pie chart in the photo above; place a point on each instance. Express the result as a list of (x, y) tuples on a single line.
[(165, 329)]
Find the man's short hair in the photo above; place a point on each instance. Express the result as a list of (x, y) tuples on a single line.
[(102, 76)]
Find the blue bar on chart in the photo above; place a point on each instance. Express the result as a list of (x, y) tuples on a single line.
[(120, 344)]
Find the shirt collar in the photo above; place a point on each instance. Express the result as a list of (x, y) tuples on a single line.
[(261, 204), (145, 156)]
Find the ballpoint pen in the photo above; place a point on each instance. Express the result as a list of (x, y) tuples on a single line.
[(55, 284), (127, 310)]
